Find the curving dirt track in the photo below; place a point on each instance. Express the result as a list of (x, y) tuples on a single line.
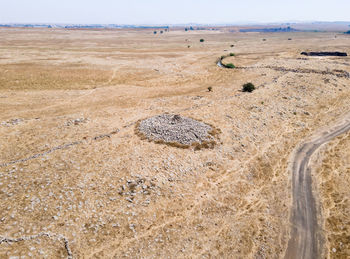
[(306, 239)]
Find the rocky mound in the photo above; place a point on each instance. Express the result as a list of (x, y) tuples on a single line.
[(177, 130), (325, 53)]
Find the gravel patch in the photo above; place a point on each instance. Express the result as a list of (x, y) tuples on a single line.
[(173, 128)]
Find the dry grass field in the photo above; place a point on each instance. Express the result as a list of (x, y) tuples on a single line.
[(76, 181), (333, 183)]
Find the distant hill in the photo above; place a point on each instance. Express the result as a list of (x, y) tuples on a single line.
[(80, 26), (242, 27), (280, 29)]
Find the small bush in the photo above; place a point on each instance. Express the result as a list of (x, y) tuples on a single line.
[(264, 39), (248, 87), (230, 65), (232, 54), (232, 46), (201, 40), (188, 46), (161, 32), (210, 89)]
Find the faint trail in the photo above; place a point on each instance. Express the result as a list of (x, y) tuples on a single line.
[(42, 234), (306, 239), (112, 77), (64, 146)]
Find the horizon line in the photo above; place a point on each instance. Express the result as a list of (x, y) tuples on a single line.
[(180, 24)]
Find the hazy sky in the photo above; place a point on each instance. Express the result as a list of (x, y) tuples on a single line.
[(171, 11)]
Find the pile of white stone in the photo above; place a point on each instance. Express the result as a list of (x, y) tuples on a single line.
[(173, 128)]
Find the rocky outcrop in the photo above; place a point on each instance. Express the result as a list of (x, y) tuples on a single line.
[(325, 53)]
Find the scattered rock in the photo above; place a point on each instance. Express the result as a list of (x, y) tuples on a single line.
[(57, 237), (11, 122), (76, 121)]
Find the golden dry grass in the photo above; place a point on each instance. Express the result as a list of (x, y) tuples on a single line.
[(32, 76), (333, 180), (122, 196)]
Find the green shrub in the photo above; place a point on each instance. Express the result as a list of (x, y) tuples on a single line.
[(232, 54), (210, 89), (201, 40), (248, 87), (230, 65)]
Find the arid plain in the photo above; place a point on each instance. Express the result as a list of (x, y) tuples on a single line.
[(75, 180)]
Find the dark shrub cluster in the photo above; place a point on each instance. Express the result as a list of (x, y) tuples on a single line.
[(230, 65), (248, 87)]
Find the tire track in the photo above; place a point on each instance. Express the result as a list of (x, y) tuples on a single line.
[(306, 238)]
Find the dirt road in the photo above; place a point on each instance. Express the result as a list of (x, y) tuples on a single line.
[(306, 239)]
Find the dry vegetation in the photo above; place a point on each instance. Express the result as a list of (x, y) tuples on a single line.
[(333, 180), (37, 76), (120, 196)]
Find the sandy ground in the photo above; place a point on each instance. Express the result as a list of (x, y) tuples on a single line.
[(72, 167)]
